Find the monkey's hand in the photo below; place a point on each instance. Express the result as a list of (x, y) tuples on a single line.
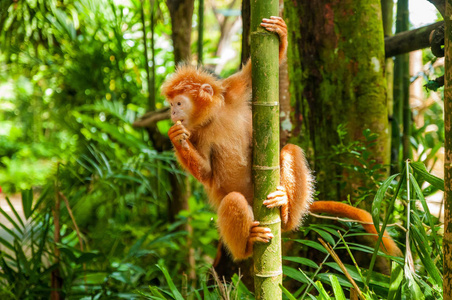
[(277, 199), (277, 24), (179, 135)]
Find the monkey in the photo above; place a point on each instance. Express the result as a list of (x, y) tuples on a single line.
[(212, 138)]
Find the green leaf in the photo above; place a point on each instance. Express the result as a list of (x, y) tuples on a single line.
[(419, 169), (294, 274), (156, 293), (425, 207), (86, 257), (27, 202), (287, 293), (312, 244), (415, 291), (337, 289), (325, 235), (395, 281), (322, 292), (302, 260), (379, 197), (7, 244), (170, 282), (421, 242), (14, 223)]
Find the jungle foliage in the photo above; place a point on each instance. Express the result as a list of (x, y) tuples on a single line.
[(88, 197)]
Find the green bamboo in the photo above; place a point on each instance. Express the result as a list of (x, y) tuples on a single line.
[(447, 244), (387, 10), (265, 76), (146, 60), (401, 93), (200, 30), (152, 86)]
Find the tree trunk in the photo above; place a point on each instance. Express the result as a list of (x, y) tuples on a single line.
[(447, 243), (181, 12), (200, 30), (335, 81), (246, 24), (285, 126), (265, 71)]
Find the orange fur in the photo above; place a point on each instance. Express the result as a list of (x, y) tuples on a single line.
[(343, 210), (217, 151), (188, 80), (297, 180)]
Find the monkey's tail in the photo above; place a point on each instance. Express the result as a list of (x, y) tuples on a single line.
[(346, 211)]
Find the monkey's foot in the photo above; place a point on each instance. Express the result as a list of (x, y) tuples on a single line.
[(277, 198), (259, 234)]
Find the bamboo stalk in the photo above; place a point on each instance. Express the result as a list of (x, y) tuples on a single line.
[(265, 71)]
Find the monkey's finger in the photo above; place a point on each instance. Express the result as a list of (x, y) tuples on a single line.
[(260, 230), (266, 235), (275, 22), (259, 239), (273, 28), (178, 131), (280, 21), (275, 203), (176, 128), (281, 188), (255, 223), (276, 194)]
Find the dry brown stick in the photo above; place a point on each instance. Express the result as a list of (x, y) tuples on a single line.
[(77, 230), (56, 281), (341, 265), (151, 118)]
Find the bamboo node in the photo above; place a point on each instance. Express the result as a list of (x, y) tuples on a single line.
[(265, 103), (256, 167), (268, 274), (269, 223)]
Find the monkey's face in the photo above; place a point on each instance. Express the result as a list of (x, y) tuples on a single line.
[(182, 109)]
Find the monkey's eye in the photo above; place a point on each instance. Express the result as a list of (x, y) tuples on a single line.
[(178, 103), (171, 104)]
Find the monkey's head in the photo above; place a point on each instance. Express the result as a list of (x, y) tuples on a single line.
[(194, 95)]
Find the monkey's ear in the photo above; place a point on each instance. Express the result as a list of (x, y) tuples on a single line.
[(207, 88)]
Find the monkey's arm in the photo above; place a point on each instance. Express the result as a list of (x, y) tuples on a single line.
[(240, 83), (187, 154), (343, 210)]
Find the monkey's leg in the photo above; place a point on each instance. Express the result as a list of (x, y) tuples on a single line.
[(237, 228), (295, 193)]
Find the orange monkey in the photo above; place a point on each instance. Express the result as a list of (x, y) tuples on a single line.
[(212, 140)]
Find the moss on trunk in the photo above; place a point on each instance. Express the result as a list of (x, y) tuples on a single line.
[(336, 58), (447, 243)]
